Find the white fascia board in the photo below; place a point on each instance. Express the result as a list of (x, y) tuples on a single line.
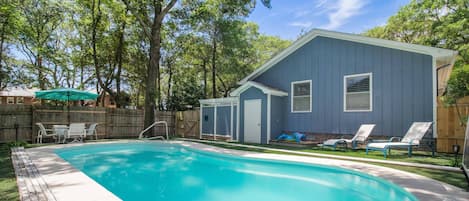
[(219, 101), (263, 88)]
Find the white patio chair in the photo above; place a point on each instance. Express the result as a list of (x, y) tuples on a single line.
[(77, 132), (411, 138), (43, 132), (92, 130), (360, 137)]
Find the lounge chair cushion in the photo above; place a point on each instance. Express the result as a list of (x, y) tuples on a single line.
[(332, 142), (382, 145)]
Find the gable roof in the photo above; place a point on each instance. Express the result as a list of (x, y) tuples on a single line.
[(264, 88), (442, 56), (19, 92)]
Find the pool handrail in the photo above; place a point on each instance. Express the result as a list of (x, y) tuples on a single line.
[(140, 136)]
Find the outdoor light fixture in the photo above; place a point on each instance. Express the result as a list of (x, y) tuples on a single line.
[(456, 148)]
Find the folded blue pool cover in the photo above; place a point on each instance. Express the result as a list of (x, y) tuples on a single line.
[(295, 136)]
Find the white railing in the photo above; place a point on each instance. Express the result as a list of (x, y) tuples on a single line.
[(140, 136)]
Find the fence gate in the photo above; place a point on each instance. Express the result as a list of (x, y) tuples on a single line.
[(187, 123)]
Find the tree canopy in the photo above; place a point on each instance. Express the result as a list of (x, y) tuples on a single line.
[(163, 54)]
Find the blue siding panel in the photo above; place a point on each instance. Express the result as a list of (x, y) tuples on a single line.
[(235, 119), (207, 120), (250, 94), (402, 87), (223, 120), (277, 116)]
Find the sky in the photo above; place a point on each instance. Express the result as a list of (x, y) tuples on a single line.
[(289, 18)]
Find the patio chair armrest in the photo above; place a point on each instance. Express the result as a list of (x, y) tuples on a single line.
[(411, 142), (373, 141), (392, 139)]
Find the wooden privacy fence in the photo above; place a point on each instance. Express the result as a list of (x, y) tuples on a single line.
[(112, 123), (188, 123), (450, 129)]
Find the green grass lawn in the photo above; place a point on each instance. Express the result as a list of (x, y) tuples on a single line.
[(453, 178), (422, 157), (8, 188)]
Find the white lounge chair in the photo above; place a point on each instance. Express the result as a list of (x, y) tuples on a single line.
[(411, 138), (92, 131), (76, 131), (44, 132), (360, 137)]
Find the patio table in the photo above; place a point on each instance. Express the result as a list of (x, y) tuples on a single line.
[(60, 131)]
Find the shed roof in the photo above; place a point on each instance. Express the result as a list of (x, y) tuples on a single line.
[(264, 88), (219, 101), (442, 56)]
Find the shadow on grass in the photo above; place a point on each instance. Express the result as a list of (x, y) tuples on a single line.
[(454, 178), (8, 188)]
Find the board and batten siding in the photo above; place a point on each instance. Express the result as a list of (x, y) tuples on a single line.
[(251, 94), (207, 120), (277, 115), (402, 86), (223, 120)]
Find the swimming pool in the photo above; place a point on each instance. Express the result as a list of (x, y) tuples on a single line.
[(162, 171)]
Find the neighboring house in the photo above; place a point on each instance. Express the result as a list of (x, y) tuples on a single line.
[(17, 96), (330, 83)]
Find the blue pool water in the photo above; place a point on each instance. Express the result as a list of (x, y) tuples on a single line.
[(161, 171)]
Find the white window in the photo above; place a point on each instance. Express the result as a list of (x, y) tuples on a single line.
[(358, 93), (301, 96), (10, 100), (20, 100)]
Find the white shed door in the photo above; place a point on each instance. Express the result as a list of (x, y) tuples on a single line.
[(252, 121)]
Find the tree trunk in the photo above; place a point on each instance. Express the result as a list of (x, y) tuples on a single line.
[(170, 77), (152, 73), (153, 70), (119, 53), (41, 78), (214, 70), (2, 37), (204, 66)]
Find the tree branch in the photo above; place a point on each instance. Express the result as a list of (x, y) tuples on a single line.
[(165, 10), (143, 22)]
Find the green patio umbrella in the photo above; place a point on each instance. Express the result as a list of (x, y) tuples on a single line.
[(65, 94)]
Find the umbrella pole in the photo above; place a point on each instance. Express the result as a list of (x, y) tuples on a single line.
[(68, 107)]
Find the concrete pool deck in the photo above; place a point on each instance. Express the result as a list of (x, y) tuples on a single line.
[(67, 183)]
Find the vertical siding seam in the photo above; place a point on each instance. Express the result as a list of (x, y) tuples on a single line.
[(200, 119), (269, 112)]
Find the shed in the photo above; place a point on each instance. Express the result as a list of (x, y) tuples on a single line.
[(218, 117)]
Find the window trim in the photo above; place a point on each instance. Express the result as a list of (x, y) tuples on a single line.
[(345, 91), (10, 102), (310, 95), (18, 100)]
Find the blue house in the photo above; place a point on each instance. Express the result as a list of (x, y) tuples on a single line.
[(330, 83)]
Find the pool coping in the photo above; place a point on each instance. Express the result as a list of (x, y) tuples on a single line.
[(68, 183)]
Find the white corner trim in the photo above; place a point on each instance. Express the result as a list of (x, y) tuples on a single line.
[(310, 95), (345, 91), (201, 120), (237, 119), (434, 98), (214, 122), (263, 88), (269, 112), (231, 121)]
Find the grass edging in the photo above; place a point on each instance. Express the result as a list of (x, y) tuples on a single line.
[(449, 175)]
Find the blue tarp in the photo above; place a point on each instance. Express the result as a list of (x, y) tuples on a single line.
[(295, 136)]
